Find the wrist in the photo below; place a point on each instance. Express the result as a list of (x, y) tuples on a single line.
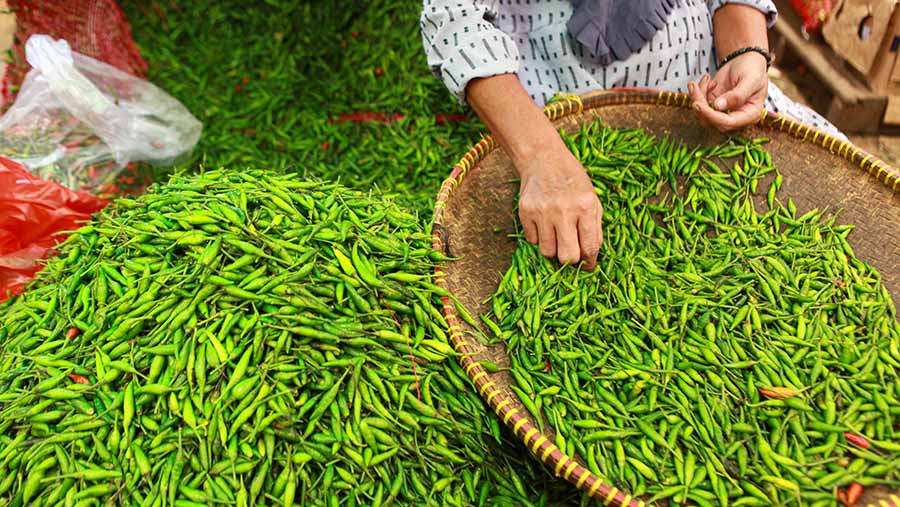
[(539, 154), (746, 53), (736, 26), (525, 151)]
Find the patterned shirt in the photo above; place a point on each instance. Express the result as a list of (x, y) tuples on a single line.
[(465, 40)]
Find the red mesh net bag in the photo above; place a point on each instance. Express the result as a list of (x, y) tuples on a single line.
[(95, 28)]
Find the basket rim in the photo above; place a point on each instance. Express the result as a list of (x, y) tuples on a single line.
[(527, 432)]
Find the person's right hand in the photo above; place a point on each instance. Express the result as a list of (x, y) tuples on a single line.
[(558, 207)]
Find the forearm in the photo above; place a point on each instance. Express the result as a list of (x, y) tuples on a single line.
[(515, 121), (736, 26)]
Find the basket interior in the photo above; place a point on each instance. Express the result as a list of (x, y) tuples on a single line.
[(478, 219)]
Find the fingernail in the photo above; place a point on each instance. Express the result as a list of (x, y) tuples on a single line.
[(721, 104)]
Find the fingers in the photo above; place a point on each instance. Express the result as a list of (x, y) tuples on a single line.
[(590, 235), (600, 224), (727, 122), (547, 234), (698, 93), (745, 114), (735, 98), (713, 90), (571, 240), (700, 90), (539, 226), (529, 228), (568, 249)]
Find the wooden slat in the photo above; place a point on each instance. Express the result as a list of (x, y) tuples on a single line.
[(892, 113)]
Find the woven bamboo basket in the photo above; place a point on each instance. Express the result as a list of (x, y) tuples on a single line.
[(477, 200)]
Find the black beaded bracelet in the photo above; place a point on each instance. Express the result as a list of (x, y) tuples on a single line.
[(753, 49)]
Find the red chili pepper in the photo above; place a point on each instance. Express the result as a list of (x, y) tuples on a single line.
[(161, 13), (354, 34), (853, 493), (325, 146), (245, 80), (857, 440), (79, 379), (367, 117), (778, 392), (441, 119), (379, 71), (547, 365), (72, 332), (841, 496)]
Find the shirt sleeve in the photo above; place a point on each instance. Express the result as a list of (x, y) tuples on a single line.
[(461, 43), (767, 7)]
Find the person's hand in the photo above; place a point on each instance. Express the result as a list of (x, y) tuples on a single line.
[(558, 207), (737, 93)]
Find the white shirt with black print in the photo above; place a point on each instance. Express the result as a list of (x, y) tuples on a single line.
[(465, 40)]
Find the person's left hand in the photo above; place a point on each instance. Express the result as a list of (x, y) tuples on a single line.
[(737, 93)]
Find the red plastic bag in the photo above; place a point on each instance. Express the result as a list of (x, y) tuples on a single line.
[(813, 13), (32, 213)]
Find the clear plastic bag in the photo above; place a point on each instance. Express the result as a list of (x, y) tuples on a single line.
[(78, 121)]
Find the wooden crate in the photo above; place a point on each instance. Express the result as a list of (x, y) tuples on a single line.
[(842, 96)]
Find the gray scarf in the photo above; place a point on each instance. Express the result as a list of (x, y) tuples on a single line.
[(614, 29)]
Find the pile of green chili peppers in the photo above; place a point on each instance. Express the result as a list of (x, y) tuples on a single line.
[(239, 338), (719, 354), (293, 70)]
